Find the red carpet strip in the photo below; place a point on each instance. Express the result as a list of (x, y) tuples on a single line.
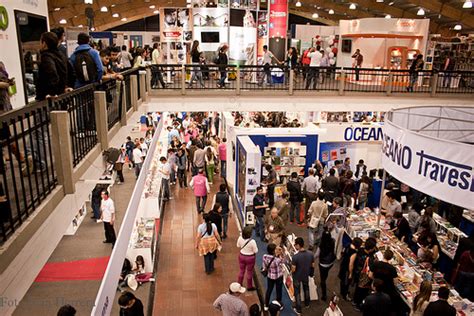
[(88, 269)]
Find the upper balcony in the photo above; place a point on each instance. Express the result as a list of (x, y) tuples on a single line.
[(253, 80)]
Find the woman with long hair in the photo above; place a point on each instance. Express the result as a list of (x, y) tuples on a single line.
[(327, 257), (196, 59), (207, 242), (422, 299), (222, 61)]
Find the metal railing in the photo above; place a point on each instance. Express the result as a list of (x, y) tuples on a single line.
[(27, 169), (82, 125), (126, 92), (304, 78), (114, 108)]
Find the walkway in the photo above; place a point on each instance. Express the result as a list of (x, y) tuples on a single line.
[(66, 278), (182, 287)]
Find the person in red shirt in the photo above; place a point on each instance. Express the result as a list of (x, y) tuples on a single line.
[(222, 148)]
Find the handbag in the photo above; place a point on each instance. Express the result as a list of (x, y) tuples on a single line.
[(364, 279), (264, 270), (314, 222)]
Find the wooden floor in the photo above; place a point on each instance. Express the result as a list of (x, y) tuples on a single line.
[(182, 286)]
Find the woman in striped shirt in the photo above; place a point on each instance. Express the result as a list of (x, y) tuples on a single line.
[(273, 263)]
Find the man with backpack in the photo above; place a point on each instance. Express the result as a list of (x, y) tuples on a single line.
[(86, 62)]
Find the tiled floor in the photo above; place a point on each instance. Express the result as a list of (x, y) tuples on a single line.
[(182, 286)]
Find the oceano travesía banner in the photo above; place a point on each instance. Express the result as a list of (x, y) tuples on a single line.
[(442, 169)]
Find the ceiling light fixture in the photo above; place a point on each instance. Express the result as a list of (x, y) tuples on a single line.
[(467, 4), (57, 9), (315, 15), (62, 21), (156, 12), (352, 6), (88, 1), (458, 27), (123, 19), (298, 4), (420, 11), (331, 11), (92, 29), (152, 6), (188, 1), (388, 16), (380, 1), (80, 25), (104, 9), (112, 5), (188, 5), (115, 15)]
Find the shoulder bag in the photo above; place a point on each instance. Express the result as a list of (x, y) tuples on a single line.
[(264, 270)]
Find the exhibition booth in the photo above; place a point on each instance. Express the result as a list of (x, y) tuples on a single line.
[(296, 150), (140, 231), (427, 149)]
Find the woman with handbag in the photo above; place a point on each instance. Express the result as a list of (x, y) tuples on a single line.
[(208, 242), (272, 269), (248, 250)]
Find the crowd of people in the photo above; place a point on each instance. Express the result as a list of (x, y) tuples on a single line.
[(264, 119)]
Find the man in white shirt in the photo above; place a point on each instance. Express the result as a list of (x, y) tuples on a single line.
[(311, 186), (143, 147), (107, 215), (165, 171), (137, 159), (266, 62), (313, 74)]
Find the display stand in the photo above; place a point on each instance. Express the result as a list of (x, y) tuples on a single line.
[(142, 242), (248, 176), (77, 221)]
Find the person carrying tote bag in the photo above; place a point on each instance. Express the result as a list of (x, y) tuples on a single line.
[(208, 242), (248, 250)]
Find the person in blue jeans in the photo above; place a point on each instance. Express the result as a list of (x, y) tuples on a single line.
[(259, 207), (302, 268)]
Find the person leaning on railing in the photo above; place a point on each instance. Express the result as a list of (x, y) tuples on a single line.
[(108, 72)]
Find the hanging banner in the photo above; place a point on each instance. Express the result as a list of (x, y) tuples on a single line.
[(440, 168), (278, 23)]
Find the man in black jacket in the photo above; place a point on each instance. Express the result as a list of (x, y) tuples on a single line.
[(377, 303), (53, 68), (441, 307), (331, 185), (296, 196), (259, 208)]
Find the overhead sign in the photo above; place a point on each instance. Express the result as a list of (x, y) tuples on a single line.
[(442, 169), (352, 132)]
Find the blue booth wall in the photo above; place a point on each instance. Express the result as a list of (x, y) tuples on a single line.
[(310, 141)]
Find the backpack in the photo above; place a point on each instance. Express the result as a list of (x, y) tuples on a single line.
[(85, 67)]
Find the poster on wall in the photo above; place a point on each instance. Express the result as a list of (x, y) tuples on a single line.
[(175, 24), (244, 4), (242, 45), (210, 4), (136, 40), (204, 17), (243, 18), (262, 31)]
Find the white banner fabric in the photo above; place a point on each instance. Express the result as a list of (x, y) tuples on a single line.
[(440, 168)]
